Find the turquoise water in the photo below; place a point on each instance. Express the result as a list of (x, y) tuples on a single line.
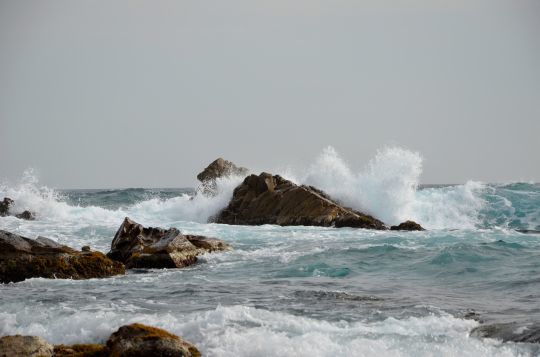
[(295, 290)]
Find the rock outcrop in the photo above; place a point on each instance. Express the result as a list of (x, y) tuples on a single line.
[(5, 206), (23, 258), (218, 168), (135, 340), (267, 199), (408, 226), (28, 346), (138, 340), (141, 247)]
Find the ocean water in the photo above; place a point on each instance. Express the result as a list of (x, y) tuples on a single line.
[(299, 291)]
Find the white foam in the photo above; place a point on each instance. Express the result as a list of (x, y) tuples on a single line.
[(246, 331), (388, 189), (49, 206)]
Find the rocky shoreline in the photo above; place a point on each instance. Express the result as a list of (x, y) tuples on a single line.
[(259, 199), (134, 340)]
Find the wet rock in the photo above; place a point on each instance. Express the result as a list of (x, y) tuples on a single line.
[(5, 205), (148, 247), (407, 226), (29, 216), (267, 199), (509, 332), (81, 350), (138, 340), (85, 248), (23, 258), (206, 244), (28, 346), (218, 168)]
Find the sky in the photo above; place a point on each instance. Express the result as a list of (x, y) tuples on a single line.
[(103, 94)]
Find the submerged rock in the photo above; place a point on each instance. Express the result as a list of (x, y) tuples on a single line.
[(407, 226), (28, 346), (218, 168), (509, 332), (5, 204), (29, 216), (267, 199), (141, 247), (140, 340), (23, 258)]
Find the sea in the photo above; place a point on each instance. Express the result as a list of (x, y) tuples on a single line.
[(299, 290)]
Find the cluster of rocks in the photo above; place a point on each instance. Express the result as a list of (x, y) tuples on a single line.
[(5, 210), (135, 340), (140, 247), (271, 199), (133, 246), (259, 199)]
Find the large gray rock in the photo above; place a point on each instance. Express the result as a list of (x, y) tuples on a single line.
[(148, 247), (267, 199), (23, 258), (138, 340), (27, 346)]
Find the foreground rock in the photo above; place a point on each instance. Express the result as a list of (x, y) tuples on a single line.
[(141, 247), (267, 199), (5, 206), (135, 340), (509, 332), (218, 168), (28, 346), (140, 340), (23, 258), (407, 226)]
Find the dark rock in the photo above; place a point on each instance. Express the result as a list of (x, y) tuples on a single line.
[(407, 226), (29, 216), (218, 168), (512, 332), (267, 199), (85, 248), (141, 247), (23, 258), (28, 346), (5, 204), (138, 340)]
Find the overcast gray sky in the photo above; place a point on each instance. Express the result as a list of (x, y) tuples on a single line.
[(146, 93)]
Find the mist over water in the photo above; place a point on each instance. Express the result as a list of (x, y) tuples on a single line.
[(307, 291)]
